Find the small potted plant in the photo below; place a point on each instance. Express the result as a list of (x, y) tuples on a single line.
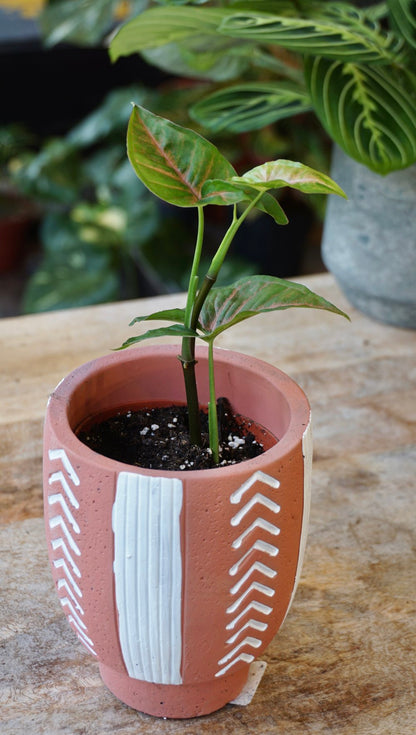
[(176, 575)]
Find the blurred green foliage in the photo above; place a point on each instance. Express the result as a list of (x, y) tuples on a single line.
[(104, 237)]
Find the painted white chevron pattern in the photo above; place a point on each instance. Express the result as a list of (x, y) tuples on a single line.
[(59, 521), (255, 624), (258, 523), (257, 566), (248, 658), (64, 547), (259, 607), (307, 451), (248, 582), (257, 546), (257, 498)]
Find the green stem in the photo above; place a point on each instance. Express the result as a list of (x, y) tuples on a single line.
[(236, 223), (212, 406), (193, 278), (218, 259), (194, 304), (187, 356), (206, 286)]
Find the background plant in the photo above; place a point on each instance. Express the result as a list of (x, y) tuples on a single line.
[(183, 168), (97, 220), (102, 236), (353, 67)]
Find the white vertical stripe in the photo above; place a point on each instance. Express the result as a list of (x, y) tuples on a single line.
[(148, 575)]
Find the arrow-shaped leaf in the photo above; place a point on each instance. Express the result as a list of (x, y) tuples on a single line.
[(280, 173), (229, 305), (173, 330), (171, 315), (172, 161)]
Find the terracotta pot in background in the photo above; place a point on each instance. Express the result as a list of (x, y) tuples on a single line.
[(17, 217), (176, 581)]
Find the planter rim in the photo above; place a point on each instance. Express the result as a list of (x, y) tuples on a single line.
[(67, 386)]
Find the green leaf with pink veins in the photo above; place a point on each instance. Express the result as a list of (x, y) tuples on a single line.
[(172, 161), (280, 173), (254, 295)]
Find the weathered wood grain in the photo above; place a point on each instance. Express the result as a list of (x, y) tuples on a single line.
[(344, 662)]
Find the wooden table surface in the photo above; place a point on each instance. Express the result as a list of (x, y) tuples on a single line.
[(345, 660)]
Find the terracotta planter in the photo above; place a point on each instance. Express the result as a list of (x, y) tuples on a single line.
[(17, 216), (175, 581)]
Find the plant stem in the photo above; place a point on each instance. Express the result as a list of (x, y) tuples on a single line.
[(236, 223), (212, 406), (218, 260), (194, 303), (206, 286), (187, 356), (193, 278)]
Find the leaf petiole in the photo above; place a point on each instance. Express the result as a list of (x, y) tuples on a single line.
[(236, 223), (212, 406), (187, 356)]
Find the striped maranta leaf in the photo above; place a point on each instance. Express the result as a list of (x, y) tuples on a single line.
[(338, 31), (403, 14), (370, 111), (250, 106)]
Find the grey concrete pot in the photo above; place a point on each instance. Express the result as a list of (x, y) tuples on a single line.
[(369, 241)]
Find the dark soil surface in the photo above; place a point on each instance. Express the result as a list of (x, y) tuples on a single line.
[(157, 438)]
